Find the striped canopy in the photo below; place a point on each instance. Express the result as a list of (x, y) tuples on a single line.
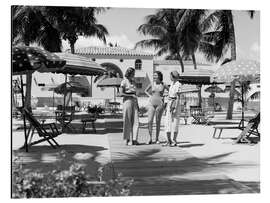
[(198, 76), (188, 89), (79, 65), (241, 70), (25, 58)]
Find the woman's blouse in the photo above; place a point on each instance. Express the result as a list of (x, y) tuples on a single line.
[(174, 90), (129, 88)]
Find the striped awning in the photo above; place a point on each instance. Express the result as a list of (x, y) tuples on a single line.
[(198, 76), (188, 89), (78, 65)]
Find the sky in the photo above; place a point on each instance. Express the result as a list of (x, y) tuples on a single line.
[(122, 24)]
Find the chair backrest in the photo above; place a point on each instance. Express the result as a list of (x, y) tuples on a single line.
[(32, 120), (195, 110), (256, 120)]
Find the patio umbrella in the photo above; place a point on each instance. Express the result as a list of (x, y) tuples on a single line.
[(213, 89), (77, 65), (238, 70), (25, 59), (255, 95), (110, 82)]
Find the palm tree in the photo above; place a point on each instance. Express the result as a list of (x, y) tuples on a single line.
[(72, 22), (162, 26), (30, 26), (218, 38)]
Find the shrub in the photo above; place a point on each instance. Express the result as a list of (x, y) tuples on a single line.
[(73, 182)]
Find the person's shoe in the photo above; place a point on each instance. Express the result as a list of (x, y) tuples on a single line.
[(167, 144), (130, 143), (135, 142), (157, 142), (127, 141), (173, 144), (150, 142)]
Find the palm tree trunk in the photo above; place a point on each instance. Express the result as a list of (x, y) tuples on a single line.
[(181, 62), (200, 95), (233, 57), (72, 48), (194, 61)]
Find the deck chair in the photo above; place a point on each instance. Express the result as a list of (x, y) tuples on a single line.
[(47, 132), (250, 129), (200, 117), (253, 130), (196, 113), (66, 117)]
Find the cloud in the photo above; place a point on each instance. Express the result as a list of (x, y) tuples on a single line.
[(121, 40), (254, 52), (255, 47)]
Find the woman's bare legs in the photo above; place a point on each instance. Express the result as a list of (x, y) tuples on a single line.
[(151, 114), (159, 112)]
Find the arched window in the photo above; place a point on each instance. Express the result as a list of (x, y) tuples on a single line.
[(138, 64)]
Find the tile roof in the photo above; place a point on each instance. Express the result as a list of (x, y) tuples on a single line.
[(119, 51), (175, 62)]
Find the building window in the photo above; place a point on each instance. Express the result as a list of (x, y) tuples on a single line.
[(138, 64), (139, 85)]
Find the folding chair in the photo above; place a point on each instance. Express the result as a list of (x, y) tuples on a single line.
[(47, 131), (197, 114), (250, 129), (65, 118)]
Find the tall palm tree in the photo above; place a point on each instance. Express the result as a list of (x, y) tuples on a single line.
[(30, 26), (72, 22), (162, 26), (218, 38)]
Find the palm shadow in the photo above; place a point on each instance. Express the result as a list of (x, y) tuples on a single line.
[(45, 159), (154, 174)]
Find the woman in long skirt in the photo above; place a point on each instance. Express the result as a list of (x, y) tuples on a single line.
[(130, 108)]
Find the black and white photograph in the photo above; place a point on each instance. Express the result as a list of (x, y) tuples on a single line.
[(131, 101)]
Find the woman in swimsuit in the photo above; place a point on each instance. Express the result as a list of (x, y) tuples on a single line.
[(156, 103)]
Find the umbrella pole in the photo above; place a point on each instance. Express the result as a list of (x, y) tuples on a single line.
[(64, 107), (114, 98), (242, 101), (24, 122)]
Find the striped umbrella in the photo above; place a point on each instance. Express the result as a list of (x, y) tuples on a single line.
[(25, 58), (78, 65)]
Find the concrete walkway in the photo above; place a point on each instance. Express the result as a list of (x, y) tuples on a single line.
[(200, 165), (193, 168)]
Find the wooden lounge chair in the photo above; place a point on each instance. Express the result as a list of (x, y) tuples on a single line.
[(253, 130), (250, 129), (47, 132)]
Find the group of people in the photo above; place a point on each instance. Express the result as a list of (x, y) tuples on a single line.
[(156, 106)]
